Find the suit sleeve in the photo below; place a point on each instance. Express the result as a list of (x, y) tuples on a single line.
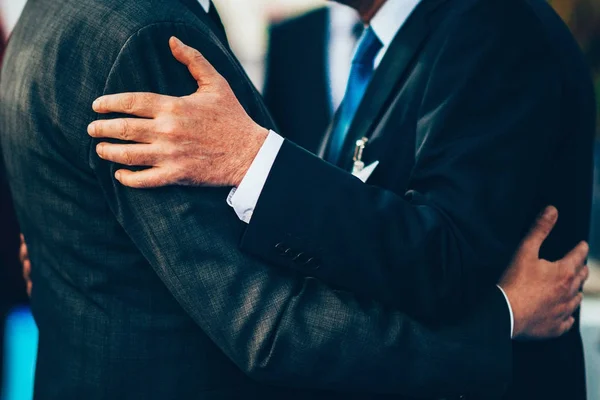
[(275, 325), (487, 126)]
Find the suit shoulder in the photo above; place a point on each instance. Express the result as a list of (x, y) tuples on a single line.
[(524, 22), (112, 23), (96, 26), (511, 29), (64, 42)]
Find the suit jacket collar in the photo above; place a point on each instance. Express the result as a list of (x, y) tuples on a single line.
[(388, 76), (214, 22)]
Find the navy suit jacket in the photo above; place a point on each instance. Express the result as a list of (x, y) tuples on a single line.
[(481, 113)]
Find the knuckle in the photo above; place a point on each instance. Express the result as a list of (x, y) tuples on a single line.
[(196, 57), (124, 133), (146, 99), (127, 157), (557, 311), (172, 106), (128, 102), (169, 128), (585, 273), (171, 152), (569, 274), (98, 129)]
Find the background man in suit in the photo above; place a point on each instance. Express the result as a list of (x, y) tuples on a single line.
[(144, 294), (307, 69), (478, 113)]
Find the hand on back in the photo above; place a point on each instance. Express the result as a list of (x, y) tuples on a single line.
[(544, 295)]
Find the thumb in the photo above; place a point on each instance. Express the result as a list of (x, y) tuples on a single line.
[(539, 232), (198, 66)]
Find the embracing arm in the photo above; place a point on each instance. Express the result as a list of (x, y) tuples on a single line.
[(483, 141), (486, 128)]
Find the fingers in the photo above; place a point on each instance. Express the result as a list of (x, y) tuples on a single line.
[(126, 129), (198, 66), (566, 326), (23, 253), (142, 155), (26, 263), (27, 270), (575, 259), (146, 179), (571, 306), (540, 231), (145, 105), (582, 275)]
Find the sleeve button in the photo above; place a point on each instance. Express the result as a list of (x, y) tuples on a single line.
[(313, 263)]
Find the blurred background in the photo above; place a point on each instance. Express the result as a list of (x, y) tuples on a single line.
[(311, 77)]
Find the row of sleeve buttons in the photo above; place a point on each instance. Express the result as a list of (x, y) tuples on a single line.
[(297, 257)]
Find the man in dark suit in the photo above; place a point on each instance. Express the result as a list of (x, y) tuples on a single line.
[(307, 67), (476, 113)]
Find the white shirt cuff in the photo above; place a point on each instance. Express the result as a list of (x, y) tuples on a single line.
[(512, 317), (244, 198)]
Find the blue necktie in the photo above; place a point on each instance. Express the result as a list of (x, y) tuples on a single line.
[(363, 65)]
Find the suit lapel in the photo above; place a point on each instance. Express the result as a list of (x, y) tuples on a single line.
[(388, 76)]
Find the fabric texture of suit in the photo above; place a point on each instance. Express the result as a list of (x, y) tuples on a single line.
[(296, 87), (143, 294), (480, 114)]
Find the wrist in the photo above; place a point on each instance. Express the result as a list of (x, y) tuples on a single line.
[(251, 148)]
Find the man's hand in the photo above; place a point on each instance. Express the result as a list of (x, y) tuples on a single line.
[(206, 138), (544, 295), (26, 263)]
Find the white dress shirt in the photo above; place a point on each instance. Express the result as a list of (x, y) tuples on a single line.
[(385, 24), (205, 4)]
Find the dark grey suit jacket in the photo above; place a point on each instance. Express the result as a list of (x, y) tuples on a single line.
[(144, 294)]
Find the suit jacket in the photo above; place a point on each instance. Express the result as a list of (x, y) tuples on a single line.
[(481, 113), (297, 84), (144, 294)]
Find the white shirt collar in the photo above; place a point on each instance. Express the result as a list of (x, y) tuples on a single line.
[(389, 19), (205, 4)]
